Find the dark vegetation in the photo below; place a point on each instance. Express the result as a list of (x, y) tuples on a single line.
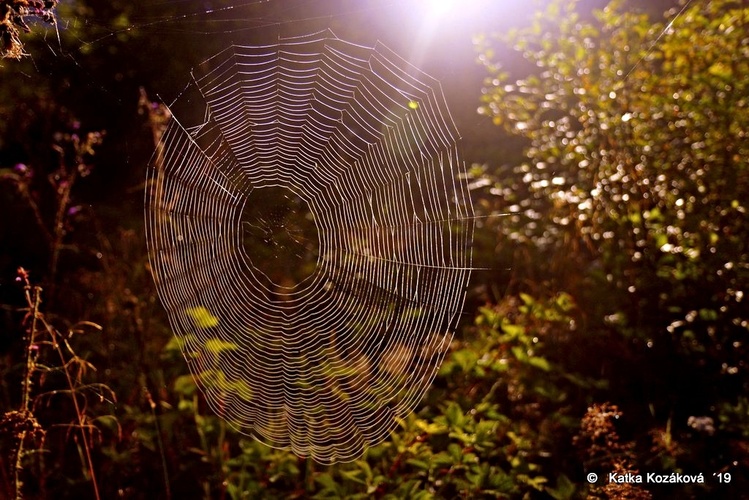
[(617, 343)]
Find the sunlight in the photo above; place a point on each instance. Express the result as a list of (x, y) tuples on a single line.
[(470, 12), (442, 7), (438, 10), (436, 18)]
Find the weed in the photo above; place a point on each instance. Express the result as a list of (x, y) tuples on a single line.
[(48, 351)]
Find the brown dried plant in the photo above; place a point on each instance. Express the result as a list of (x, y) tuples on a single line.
[(12, 14), (44, 343), (605, 451)]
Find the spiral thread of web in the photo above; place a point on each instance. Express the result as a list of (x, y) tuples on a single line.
[(322, 363)]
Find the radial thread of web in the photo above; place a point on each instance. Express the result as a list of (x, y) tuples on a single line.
[(358, 145)]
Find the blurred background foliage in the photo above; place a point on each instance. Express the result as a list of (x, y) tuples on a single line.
[(617, 340)]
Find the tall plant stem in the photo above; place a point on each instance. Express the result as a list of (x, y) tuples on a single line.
[(78, 414), (33, 299)]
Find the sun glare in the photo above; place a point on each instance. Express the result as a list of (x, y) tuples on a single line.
[(436, 18), (442, 7), (445, 8)]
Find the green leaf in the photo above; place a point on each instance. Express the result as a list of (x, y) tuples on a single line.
[(519, 354), (660, 240), (327, 482), (456, 452), (527, 299), (721, 70), (419, 464), (454, 414), (565, 302), (217, 346), (366, 469), (539, 363), (185, 385), (513, 330), (431, 427), (202, 317), (565, 489), (466, 359), (353, 475)]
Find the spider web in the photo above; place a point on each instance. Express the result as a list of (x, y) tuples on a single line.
[(310, 238)]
